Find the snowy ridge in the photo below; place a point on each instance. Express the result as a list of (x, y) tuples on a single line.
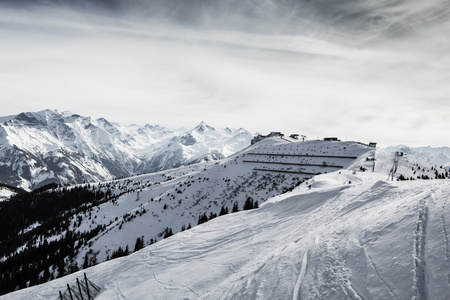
[(345, 234), (48, 146)]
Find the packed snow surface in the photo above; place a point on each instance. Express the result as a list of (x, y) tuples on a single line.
[(342, 235)]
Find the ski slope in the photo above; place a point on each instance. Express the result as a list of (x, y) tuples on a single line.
[(352, 235)]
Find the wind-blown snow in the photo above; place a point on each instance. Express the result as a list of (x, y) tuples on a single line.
[(352, 235)]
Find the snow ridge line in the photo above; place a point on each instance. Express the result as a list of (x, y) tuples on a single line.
[(420, 265), (301, 276)]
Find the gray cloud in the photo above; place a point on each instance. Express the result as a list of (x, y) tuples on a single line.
[(140, 64)]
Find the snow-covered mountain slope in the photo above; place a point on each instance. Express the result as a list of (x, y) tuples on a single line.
[(48, 146), (177, 198), (439, 156), (152, 206), (346, 234)]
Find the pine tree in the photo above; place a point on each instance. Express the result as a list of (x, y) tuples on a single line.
[(139, 244), (248, 203), (235, 207), (202, 219), (168, 232), (212, 215), (86, 262), (61, 269), (223, 211)]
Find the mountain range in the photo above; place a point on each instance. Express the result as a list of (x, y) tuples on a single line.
[(38, 148)]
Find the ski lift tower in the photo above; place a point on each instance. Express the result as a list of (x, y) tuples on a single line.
[(394, 166)]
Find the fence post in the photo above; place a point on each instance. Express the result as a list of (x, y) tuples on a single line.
[(70, 292), (60, 295), (87, 286), (79, 288)]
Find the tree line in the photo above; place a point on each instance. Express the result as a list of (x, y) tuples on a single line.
[(27, 221)]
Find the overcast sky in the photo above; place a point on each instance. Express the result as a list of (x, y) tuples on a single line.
[(362, 84)]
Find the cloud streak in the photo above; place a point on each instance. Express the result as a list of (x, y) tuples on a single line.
[(360, 84)]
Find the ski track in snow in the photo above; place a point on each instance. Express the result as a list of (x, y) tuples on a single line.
[(351, 292), (420, 264), (301, 276), (391, 291), (169, 286), (119, 295), (446, 238)]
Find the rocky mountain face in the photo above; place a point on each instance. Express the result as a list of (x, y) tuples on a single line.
[(37, 148)]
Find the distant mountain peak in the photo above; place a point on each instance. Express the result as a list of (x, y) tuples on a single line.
[(154, 127), (67, 113), (42, 117), (202, 127)]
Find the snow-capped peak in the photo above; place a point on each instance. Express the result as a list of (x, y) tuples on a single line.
[(202, 127)]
